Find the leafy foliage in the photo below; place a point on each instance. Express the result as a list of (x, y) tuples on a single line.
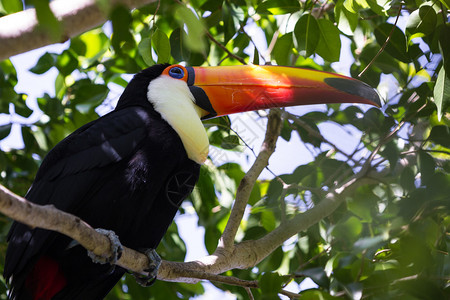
[(390, 238)]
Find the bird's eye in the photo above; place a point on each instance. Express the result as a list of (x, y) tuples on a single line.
[(176, 72)]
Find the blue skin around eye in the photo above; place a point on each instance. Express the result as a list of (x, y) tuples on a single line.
[(176, 72)]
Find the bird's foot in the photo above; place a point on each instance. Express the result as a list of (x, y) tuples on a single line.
[(152, 270), (116, 248)]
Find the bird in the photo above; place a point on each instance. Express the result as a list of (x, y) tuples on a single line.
[(128, 171)]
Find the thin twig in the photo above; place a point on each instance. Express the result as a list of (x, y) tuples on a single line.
[(251, 40), (249, 293), (231, 54), (156, 11), (443, 13), (273, 41), (247, 183), (291, 295), (385, 43)]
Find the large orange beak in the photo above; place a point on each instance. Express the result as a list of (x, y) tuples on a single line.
[(232, 89)]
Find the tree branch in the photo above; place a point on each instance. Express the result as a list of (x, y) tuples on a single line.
[(50, 218), (19, 32), (246, 185), (228, 255)]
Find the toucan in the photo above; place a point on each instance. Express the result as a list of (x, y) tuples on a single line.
[(128, 171)]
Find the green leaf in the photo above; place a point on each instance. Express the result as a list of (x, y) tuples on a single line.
[(121, 21), (426, 166), (396, 45), (380, 7), (5, 130), (318, 275), (44, 63), (306, 34), (256, 56), (348, 230), (329, 46), (20, 106), (178, 47), (440, 134), (51, 106), (363, 203), (196, 31), (88, 95), (66, 62), (270, 284), (422, 20), (407, 178), (268, 220), (12, 6), (230, 142), (369, 242), (444, 49), (391, 153), (91, 45), (347, 20), (441, 92), (312, 294), (278, 7), (145, 50), (283, 49), (351, 5), (232, 17), (161, 45), (446, 3)]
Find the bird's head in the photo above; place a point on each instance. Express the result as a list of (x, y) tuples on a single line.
[(185, 95)]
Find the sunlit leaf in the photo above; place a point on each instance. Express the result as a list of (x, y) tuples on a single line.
[(422, 20), (441, 92), (12, 6), (347, 20), (278, 7), (66, 62), (446, 3)]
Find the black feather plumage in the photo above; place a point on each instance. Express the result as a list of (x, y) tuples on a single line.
[(127, 171)]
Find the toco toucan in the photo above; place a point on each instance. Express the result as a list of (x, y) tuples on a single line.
[(129, 170)]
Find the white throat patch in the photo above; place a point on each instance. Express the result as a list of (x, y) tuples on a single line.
[(173, 100)]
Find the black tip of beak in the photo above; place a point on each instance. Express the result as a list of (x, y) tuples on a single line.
[(355, 87)]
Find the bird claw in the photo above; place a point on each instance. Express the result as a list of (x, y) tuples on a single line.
[(152, 270), (116, 248)]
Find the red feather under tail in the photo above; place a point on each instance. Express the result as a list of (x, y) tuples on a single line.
[(46, 279)]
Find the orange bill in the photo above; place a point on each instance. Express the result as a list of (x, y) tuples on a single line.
[(232, 89)]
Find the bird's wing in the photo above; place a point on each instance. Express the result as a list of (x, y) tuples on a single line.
[(71, 172), (96, 145)]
